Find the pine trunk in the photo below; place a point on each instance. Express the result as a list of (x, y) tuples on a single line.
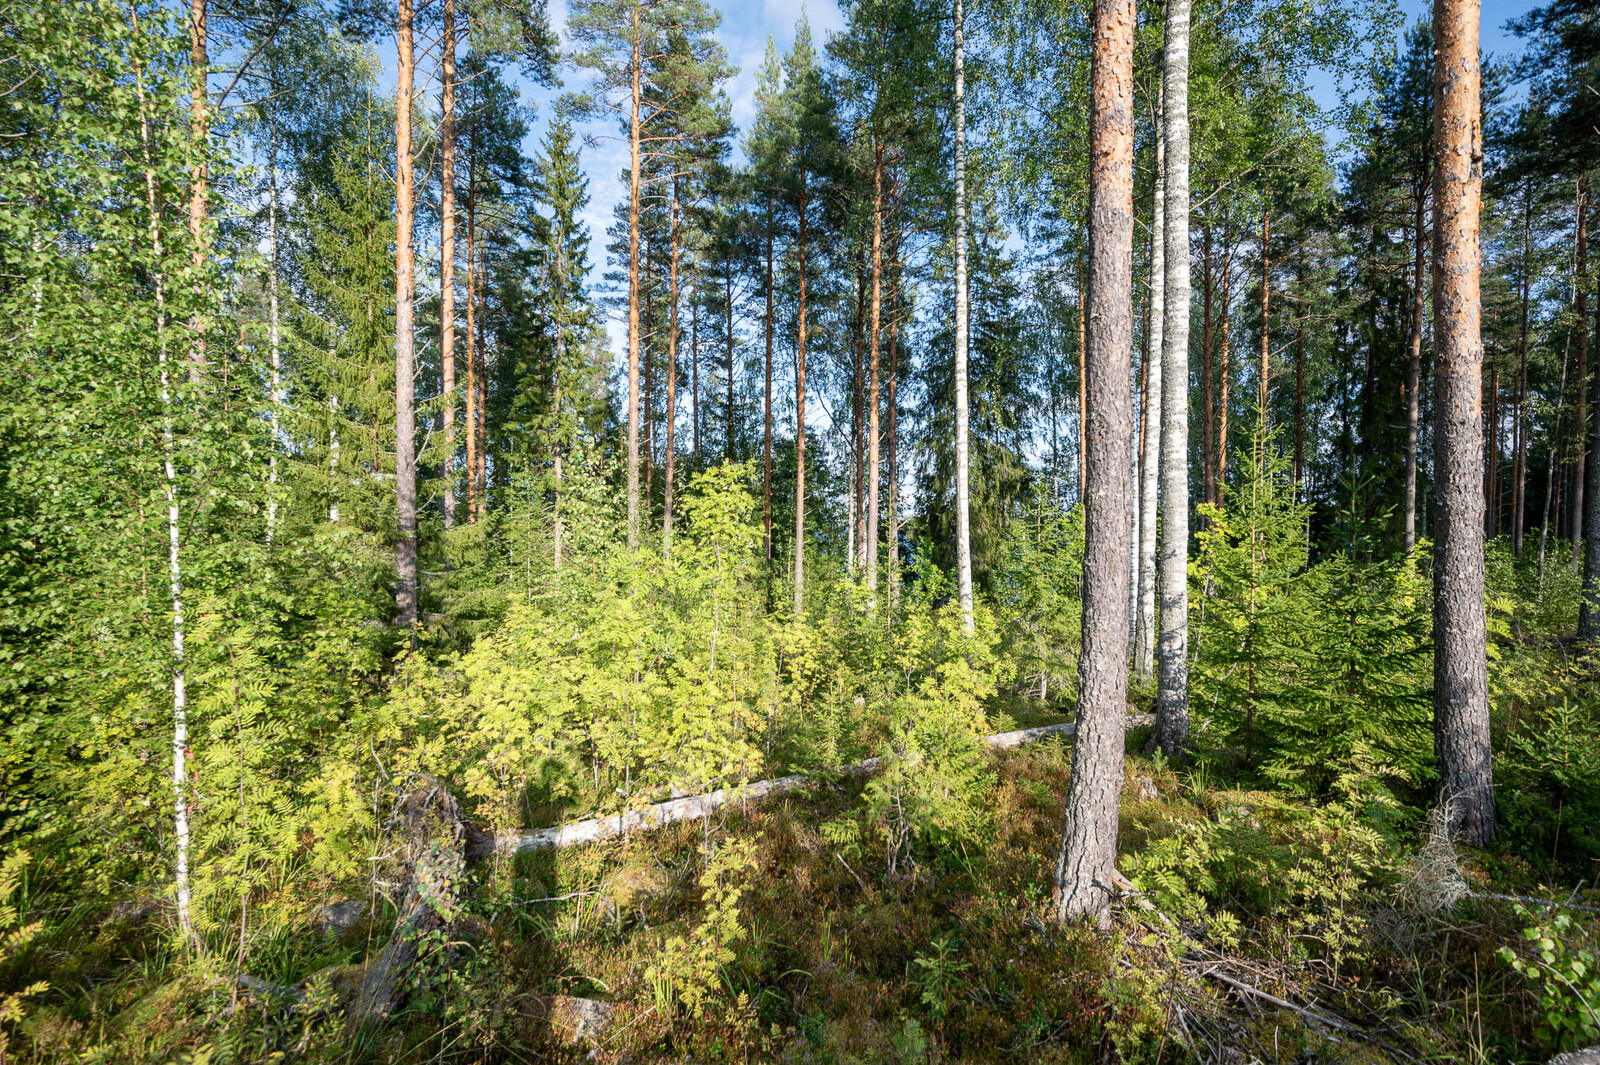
[(669, 458), (872, 398), (447, 254), (766, 429), (1085, 861), (405, 355), (1580, 408), (800, 421), (1461, 695), (634, 158)]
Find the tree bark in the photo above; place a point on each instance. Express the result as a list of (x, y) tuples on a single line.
[(672, 378), (1581, 406), (447, 254), (766, 431), (894, 406), (405, 356), (1414, 367), (1144, 643), (1083, 382), (1087, 853), (1589, 603), (1208, 380), (471, 338), (1172, 690), (634, 156), (275, 361), (199, 172), (963, 477), (872, 399), (1491, 447), (1224, 365), (800, 420), (1264, 373), (1461, 695), (1520, 441)]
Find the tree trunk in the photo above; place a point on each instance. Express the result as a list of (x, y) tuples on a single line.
[(169, 484), (1224, 365), (727, 446), (1414, 367), (963, 479), (1208, 380), (1151, 444), (1083, 383), (471, 338), (766, 430), (405, 355), (672, 378), (200, 133), (1519, 492), (694, 350), (481, 429), (1589, 604), (447, 254), (1172, 690), (1491, 446), (894, 404), (1264, 373), (634, 158), (872, 399), (275, 366), (1087, 854), (1461, 694), (800, 421), (1581, 407)]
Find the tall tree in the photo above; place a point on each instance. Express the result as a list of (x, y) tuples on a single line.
[(963, 474), (1172, 688), (1461, 684), (1085, 860), (405, 357)]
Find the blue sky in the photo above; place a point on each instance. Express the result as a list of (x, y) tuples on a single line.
[(744, 32)]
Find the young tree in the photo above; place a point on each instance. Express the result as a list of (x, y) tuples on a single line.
[(1087, 854), (1461, 683)]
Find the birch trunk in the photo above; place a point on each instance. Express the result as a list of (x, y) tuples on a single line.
[(1414, 368), (1172, 689), (872, 398), (1145, 627), (766, 420), (1087, 853), (672, 377), (800, 422), (274, 340), (169, 483), (963, 479), (405, 357), (200, 132), (1461, 696)]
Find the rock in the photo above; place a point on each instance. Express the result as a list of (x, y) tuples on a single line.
[(1148, 789), (136, 910), (337, 918), (578, 1020), (1591, 1056)]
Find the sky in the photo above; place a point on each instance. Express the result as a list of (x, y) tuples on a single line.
[(746, 27)]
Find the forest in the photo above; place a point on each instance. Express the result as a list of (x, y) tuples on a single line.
[(1030, 531)]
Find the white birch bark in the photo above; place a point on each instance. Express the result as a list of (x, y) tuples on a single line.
[(963, 480), (1154, 445), (1172, 688), (275, 370)]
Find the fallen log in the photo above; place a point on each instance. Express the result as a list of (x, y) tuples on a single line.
[(695, 807)]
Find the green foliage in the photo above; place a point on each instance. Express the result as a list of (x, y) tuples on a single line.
[(1560, 964), (938, 971), (1037, 600), (1548, 772), (688, 970)]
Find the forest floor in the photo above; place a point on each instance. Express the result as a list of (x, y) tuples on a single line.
[(1270, 931)]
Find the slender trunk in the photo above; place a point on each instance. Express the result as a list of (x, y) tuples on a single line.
[(1085, 860), (1264, 373), (1461, 692), (169, 483), (1553, 466), (1589, 604), (872, 398), (672, 376), (858, 432), (1224, 366), (275, 366), (963, 477), (199, 171), (1581, 408), (727, 304), (1520, 442), (405, 356), (800, 420), (1151, 444), (634, 158), (1491, 444), (1299, 413), (766, 429), (1172, 691), (482, 428), (1414, 367), (447, 254), (471, 338), (1083, 384), (1208, 380), (893, 471), (694, 350)]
